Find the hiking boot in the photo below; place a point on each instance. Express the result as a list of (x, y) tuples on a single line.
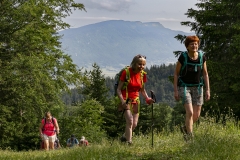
[(129, 143), (123, 139), (183, 130), (188, 137)]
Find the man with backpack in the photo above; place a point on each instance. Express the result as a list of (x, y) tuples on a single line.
[(189, 78), (72, 142), (131, 83), (48, 130)]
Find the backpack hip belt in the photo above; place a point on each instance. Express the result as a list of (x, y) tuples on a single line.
[(136, 100), (185, 85)]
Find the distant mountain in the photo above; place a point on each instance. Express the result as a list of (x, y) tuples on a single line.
[(112, 44)]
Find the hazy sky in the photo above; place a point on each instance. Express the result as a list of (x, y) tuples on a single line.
[(168, 12)]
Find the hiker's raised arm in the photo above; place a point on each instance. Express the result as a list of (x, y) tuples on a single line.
[(206, 81)]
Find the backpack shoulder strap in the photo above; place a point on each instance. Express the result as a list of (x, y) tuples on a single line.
[(127, 80), (200, 55), (185, 61), (53, 120), (44, 123), (142, 75), (127, 74)]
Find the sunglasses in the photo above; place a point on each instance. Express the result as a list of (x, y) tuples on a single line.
[(141, 56)]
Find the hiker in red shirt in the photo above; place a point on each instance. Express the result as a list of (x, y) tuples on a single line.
[(48, 130), (83, 141), (129, 96)]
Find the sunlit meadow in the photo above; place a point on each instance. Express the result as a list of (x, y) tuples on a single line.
[(212, 141)]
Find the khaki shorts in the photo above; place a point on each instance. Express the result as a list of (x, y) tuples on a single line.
[(49, 138), (193, 95)]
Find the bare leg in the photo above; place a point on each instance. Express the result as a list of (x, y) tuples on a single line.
[(196, 112), (129, 124), (189, 117), (46, 145), (51, 145), (135, 120)]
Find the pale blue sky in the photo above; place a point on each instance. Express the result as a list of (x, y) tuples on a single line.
[(168, 12)]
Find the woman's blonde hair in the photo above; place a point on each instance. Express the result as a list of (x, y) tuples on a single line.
[(136, 60), (46, 113)]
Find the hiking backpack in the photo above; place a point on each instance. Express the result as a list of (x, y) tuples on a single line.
[(196, 65), (117, 79), (185, 64), (127, 80), (46, 120)]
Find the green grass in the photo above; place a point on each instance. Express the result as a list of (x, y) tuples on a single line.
[(211, 142)]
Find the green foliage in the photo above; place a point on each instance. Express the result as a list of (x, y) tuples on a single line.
[(158, 116), (218, 26), (211, 141), (178, 115), (114, 122), (95, 87), (33, 69), (82, 120)]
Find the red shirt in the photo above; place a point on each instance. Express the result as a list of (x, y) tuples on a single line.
[(49, 128), (84, 142), (134, 85)]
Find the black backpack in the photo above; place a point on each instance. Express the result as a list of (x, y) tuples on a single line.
[(127, 80), (180, 82), (45, 120)]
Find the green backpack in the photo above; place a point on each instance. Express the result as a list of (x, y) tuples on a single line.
[(127, 80), (117, 79), (200, 64)]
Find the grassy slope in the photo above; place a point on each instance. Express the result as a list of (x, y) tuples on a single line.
[(211, 142)]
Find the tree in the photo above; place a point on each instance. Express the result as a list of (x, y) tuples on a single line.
[(85, 119), (217, 24), (160, 120), (34, 70), (95, 88)]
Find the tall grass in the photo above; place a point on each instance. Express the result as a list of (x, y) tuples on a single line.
[(212, 141)]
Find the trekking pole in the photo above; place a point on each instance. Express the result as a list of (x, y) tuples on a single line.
[(154, 98)]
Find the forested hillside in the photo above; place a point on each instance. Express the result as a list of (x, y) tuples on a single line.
[(101, 89), (157, 81)]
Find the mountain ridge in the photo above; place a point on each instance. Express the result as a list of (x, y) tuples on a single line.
[(112, 44)]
